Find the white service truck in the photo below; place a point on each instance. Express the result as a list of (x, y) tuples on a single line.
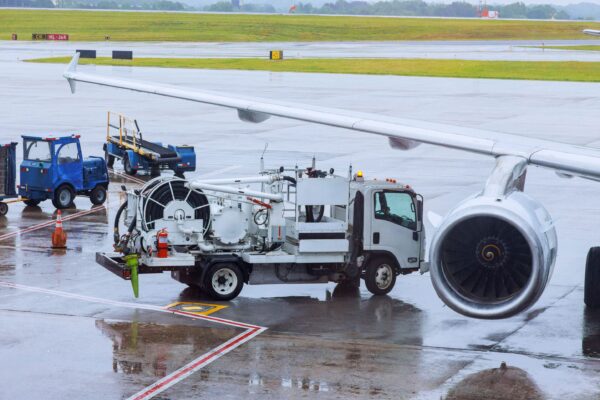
[(294, 226)]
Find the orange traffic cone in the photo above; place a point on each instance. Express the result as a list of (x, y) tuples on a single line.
[(59, 237)]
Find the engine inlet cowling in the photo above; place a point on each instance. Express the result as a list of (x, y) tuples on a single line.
[(492, 258)]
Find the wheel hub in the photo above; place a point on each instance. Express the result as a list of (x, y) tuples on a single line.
[(383, 276)]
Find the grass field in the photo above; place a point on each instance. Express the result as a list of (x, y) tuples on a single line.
[(589, 47), (156, 26), (532, 70)]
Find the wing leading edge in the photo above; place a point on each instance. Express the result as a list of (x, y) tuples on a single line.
[(568, 160)]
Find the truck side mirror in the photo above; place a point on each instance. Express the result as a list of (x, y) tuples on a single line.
[(419, 210)]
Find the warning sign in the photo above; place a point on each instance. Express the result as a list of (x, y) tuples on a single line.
[(195, 308)]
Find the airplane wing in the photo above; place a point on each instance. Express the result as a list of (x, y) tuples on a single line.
[(591, 32), (568, 160)]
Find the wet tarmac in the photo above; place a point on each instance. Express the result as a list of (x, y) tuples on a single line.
[(507, 50), (72, 329)]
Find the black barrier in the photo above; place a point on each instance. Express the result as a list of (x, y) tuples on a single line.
[(86, 53), (122, 55)]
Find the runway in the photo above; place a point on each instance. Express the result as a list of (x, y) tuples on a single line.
[(509, 50), (321, 340)]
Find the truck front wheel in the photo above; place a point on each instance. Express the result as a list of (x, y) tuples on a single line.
[(3, 208), (380, 276), (591, 292), (223, 281), (63, 197), (98, 195)]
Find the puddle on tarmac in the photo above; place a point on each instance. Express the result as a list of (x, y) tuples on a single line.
[(157, 350), (590, 342)]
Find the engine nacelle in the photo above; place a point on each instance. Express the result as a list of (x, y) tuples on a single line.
[(492, 257)]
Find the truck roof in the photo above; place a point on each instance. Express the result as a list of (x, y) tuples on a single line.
[(384, 183)]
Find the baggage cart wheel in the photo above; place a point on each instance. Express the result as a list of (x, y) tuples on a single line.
[(110, 160), (98, 195), (63, 197), (3, 208), (31, 203), (129, 170), (223, 281), (591, 292), (380, 275)]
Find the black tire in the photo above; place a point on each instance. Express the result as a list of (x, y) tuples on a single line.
[(129, 170), (98, 195), (380, 275), (110, 160), (228, 281), (591, 295), (32, 203), (63, 197), (3, 208)]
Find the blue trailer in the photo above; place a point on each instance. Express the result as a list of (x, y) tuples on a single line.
[(125, 142), (54, 169)]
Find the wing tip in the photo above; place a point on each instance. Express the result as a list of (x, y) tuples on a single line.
[(71, 70)]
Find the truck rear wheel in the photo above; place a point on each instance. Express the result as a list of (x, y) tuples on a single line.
[(592, 279), (380, 276), (98, 195), (3, 208), (129, 170), (63, 197), (223, 281)]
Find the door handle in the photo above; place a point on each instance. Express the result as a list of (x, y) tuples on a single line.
[(416, 236), (375, 237)]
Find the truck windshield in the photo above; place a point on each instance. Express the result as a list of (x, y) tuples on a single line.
[(396, 207), (37, 150)]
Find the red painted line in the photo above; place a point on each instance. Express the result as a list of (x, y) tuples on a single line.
[(123, 175), (198, 363), (183, 372), (49, 223)]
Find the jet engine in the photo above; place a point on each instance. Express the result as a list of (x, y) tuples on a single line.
[(493, 255)]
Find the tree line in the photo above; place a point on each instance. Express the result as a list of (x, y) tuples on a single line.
[(419, 8)]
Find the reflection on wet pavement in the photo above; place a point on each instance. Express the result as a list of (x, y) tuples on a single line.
[(156, 350)]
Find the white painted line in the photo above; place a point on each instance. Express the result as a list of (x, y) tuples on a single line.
[(50, 223), (250, 332)]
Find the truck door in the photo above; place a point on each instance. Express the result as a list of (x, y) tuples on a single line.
[(395, 226), (70, 164)]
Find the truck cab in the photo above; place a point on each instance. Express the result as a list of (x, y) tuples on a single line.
[(386, 226), (54, 168)]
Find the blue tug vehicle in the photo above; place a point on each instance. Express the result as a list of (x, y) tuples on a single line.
[(53, 168)]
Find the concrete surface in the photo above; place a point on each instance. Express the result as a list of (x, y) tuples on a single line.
[(321, 341), (509, 50)]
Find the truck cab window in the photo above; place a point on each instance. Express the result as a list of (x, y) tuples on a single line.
[(68, 153), (396, 207), (37, 150)]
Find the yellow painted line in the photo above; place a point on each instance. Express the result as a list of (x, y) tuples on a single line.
[(197, 308)]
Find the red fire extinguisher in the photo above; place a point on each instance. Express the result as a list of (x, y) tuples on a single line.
[(162, 243)]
